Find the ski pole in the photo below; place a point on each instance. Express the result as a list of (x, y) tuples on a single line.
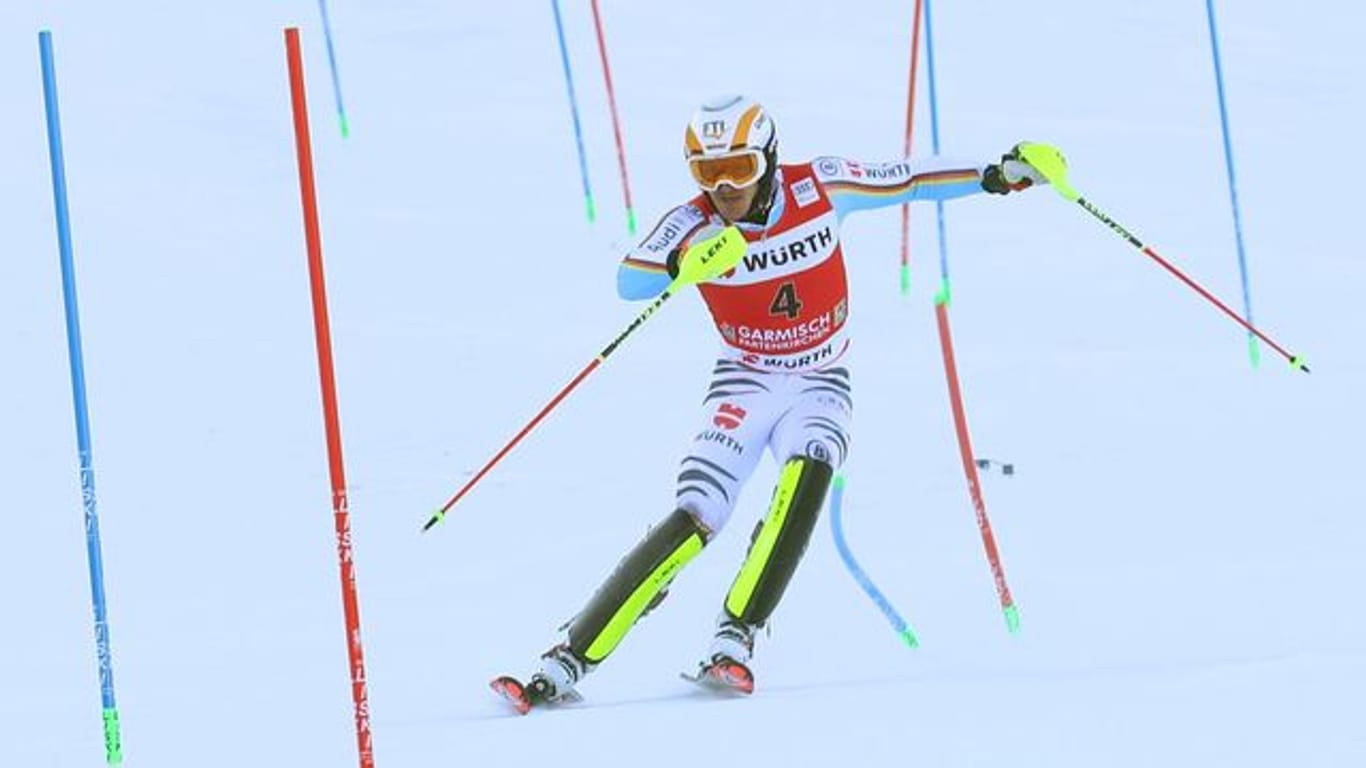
[(899, 625), (1049, 162), (704, 260)]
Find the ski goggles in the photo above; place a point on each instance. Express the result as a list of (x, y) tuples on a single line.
[(738, 169)]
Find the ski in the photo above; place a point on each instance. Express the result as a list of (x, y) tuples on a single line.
[(723, 676), (513, 692), (523, 697)]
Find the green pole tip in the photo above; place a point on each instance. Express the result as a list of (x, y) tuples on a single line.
[(908, 637), (1254, 351), (631, 221), (592, 210), (839, 482), (113, 745), (345, 126), (944, 296), (1297, 362), (436, 518), (1012, 619), (905, 279)]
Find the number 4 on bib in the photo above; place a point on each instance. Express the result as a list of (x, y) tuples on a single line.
[(785, 301)]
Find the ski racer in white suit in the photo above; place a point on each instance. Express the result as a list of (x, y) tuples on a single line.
[(780, 382)]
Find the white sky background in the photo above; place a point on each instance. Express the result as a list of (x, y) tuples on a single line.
[(1182, 533)]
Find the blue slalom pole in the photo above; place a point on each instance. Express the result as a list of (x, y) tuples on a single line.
[(336, 78), (1254, 352), (574, 111), (837, 527), (944, 296), (112, 742)]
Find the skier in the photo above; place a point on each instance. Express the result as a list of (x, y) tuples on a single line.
[(779, 382)]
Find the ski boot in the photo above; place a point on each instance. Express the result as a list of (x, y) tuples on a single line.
[(553, 685), (726, 668)]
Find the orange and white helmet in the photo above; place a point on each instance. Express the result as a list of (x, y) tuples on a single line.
[(731, 140)]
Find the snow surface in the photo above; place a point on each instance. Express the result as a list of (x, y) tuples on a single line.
[(1182, 533)]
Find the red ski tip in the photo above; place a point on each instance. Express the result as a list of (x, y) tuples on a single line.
[(511, 691), (731, 675)]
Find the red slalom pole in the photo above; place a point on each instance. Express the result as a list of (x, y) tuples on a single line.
[(960, 423), (906, 152), (616, 121), (340, 512)]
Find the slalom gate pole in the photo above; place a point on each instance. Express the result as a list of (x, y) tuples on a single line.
[(574, 112), (332, 65), (113, 742), (906, 151), (960, 423), (341, 514), (899, 625), (616, 121), (1253, 351), (943, 298), (945, 294)]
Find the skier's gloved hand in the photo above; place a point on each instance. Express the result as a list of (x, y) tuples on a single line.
[(671, 262), (1012, 174), (708, 253)]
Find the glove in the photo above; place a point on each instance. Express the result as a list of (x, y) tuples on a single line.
[(671, 262), (1012, 174)]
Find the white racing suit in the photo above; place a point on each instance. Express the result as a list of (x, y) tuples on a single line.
[(781, 315)]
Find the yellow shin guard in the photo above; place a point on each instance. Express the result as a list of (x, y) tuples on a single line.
[(639, 582), (780, 540)]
